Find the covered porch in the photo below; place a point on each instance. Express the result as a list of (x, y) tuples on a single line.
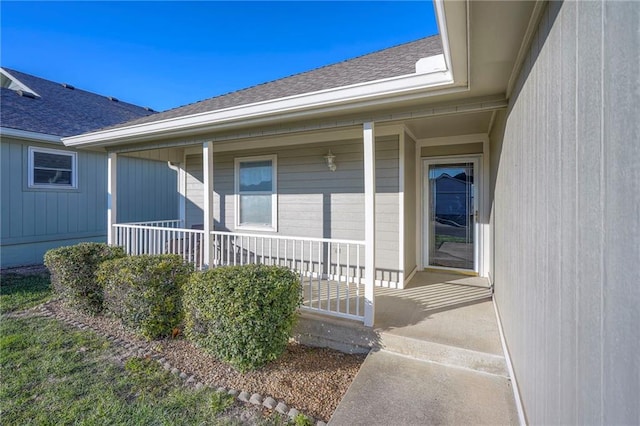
[(350, 213), (338, 275)]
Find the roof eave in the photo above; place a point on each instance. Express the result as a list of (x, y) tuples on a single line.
[(339, 99), (29, 136)]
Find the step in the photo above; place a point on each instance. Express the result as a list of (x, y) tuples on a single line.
[(443, 354), (344, 335)]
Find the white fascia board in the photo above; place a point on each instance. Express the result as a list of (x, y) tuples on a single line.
[(17, 83), (353, 95), (30, 136)]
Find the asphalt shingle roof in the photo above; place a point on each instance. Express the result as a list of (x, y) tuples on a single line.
[(61, 111), (391, 62)]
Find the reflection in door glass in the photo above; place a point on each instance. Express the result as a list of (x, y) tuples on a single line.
[(451, 215)]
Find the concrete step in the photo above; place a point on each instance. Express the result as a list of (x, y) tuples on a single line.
[(336, 333), (443, 354)]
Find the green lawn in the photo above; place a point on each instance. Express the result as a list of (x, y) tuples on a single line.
[(23, 291), (53, 374)]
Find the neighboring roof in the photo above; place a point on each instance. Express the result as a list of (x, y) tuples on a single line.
[(59, 110), (387, 63)]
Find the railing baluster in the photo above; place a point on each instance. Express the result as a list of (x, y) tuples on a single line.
[(358, 277), (338, 270), (347, 278), (321, 273), (328, 279)]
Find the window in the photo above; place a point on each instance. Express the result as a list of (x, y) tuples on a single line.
[(256, 194), (52, 168)]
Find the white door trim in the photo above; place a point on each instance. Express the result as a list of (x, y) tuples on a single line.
[(479, 200)]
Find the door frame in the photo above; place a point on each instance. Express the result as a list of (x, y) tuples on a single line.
[(478, 257)]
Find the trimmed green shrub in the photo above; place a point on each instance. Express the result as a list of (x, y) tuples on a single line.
[(242, 314), (145, 292), (73, 273)]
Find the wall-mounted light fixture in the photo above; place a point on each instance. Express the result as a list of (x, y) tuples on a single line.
[(331, 164)]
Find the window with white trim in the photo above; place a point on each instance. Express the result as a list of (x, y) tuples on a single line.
[(52, 168), (256, 193)]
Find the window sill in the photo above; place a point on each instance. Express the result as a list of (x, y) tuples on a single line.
[(256, 228)]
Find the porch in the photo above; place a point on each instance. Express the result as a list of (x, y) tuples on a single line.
[(331, 271)]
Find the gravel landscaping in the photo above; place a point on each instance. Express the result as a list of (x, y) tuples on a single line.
[(305, 379), (313, 380)]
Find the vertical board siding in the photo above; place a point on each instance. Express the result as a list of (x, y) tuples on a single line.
[(313, 201), (621, 203), (566, 217), (147, 190), (35, 220)]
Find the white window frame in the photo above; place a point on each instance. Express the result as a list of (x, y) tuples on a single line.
[(74, 168), (274, 192)]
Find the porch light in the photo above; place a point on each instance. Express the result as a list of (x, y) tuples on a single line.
[(330, 161)]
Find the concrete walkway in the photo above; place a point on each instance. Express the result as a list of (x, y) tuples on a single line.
[(439, 359)]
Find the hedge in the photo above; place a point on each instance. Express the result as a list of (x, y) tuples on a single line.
[(242, 314), (73, 273), (145, 292)]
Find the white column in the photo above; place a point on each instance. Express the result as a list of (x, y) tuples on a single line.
[(207, 164), (112, 183), (369, 222)]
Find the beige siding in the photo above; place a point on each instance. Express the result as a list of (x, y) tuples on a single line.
[(567, 227), (445, 150)]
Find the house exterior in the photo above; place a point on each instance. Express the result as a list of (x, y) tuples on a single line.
[(332, 173), (52, 195)]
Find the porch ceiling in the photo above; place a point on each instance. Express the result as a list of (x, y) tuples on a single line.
[(450, 125)]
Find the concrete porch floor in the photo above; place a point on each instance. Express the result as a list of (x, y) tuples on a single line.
[(437, 358)]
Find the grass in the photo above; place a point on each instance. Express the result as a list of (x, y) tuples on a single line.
[(19, 292), (54, 374)]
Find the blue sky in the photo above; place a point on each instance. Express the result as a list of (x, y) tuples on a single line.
[(168, 54)]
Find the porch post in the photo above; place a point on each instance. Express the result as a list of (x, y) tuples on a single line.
[(369, 221), (112, 183), (207, 171)]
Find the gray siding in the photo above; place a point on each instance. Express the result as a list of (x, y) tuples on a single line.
[(194, 205), (35, 220), (312, 201), (566, 216), (147, 190)]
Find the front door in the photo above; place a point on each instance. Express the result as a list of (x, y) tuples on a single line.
[(450, 209)]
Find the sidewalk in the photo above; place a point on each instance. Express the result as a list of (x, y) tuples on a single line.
[(437, 364), (393, 389)]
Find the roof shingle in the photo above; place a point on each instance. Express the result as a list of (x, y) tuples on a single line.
[(59, 110), (386, 63)]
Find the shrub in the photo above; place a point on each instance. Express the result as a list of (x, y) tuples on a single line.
[(242, 314), (73, 273), (145, 292)]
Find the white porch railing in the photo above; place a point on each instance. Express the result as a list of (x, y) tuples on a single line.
[(171, 223), (330, 270), (138, 238)]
